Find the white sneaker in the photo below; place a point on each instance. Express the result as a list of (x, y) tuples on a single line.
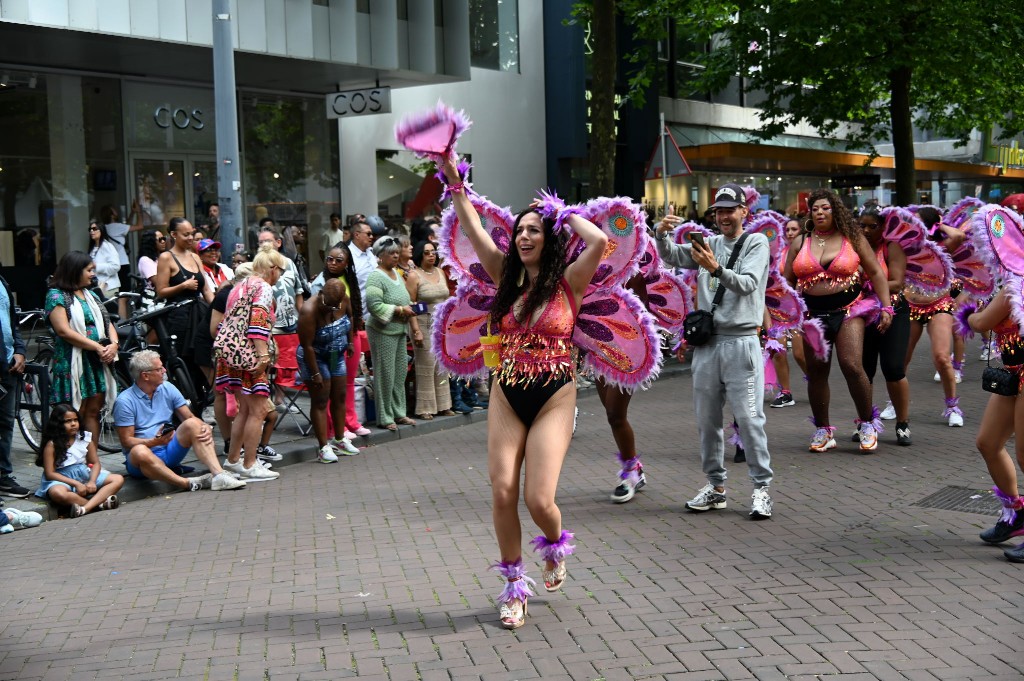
[(575, 417), (259, 472), (959, 375), (327, 455), (986, 354), (343, 447), (956, 420), (234, 468), (937, 378), (889, 413), (226, 480), (23, 519), (760, 504)]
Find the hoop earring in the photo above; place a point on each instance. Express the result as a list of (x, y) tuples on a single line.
[(522, 277)]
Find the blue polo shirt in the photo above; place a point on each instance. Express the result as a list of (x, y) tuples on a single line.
[(134, 408)]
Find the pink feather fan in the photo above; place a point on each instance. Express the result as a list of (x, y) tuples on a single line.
[(432, 134)]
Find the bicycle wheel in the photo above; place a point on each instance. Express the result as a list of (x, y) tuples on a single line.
[(29, 414), (108, 440)]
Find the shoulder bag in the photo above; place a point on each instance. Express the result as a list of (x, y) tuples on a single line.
[(232, 343), (699, 325)]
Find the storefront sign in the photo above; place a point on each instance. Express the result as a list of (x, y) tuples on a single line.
[(180, 118), (1005, 153), (352, 103)]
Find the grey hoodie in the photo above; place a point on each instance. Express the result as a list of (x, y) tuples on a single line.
[(741, 311)]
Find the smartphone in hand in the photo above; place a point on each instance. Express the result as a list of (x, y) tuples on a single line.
[(696, 238), (167, 428)]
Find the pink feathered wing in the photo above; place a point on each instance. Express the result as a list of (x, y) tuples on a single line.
[(998, 233), (929, 269), (626, 226), (619, 337), (457, 251), (668, 296)]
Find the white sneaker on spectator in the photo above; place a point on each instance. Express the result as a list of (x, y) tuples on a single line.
[(234, 468), (200, 482), (343, 447), (889, 413), (259, 472), (349, 435), (224, 481), (363, 431), (327, 455), (23, 519)]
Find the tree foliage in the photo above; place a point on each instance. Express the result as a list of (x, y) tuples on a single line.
[(877, 65)]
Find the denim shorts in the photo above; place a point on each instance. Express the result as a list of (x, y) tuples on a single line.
[(172, 455), (323, 365), (76, 471)]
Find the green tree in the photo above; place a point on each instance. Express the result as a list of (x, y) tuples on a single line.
[(871, 69)]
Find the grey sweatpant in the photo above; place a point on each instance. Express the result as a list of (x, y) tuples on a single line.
[(731, 369)]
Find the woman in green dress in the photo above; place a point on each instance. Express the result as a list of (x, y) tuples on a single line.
[(86, 343), (390, 308)]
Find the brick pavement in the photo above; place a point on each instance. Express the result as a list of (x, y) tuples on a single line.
[(848, 580)]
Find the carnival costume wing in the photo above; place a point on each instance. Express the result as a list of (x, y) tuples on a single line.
[(668, 296), (457, 326), (626, 226), (998, 235), (929, 269), (773, 226), (680, 232), (960, 214), (619, 337), (457, 250), (785, 306)]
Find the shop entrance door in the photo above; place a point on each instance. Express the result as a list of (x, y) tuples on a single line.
[(180, 185)]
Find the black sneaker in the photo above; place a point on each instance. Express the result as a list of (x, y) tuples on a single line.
[(625, 491), (740, 455), (10, 487), (903, 435), (1004, 530), (783, 400)]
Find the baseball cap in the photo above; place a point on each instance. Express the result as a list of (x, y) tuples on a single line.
[(729, 196), (207, 244)]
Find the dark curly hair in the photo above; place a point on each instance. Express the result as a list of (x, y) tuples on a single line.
[(552, 267), (55, 432), (841, 217)]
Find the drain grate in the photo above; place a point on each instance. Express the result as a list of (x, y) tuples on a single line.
[(953, 498)]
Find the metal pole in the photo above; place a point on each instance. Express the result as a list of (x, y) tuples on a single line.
[(229, 181), (664, 164)]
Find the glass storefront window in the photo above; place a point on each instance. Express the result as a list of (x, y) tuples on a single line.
[(290, 161), (494, 34)]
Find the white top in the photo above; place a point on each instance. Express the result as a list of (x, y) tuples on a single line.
[(147, 268), (364, 262), (108, 264), (331, 237), (118, 231), (78, 449)]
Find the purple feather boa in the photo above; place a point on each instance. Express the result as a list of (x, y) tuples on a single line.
[(1010, 505), (517, 584), (555, 551), (631, 468), (735, 438), (960, 324), (952, 407), (554, 208)]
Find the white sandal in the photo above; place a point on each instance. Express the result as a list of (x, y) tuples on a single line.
[(554, 579)]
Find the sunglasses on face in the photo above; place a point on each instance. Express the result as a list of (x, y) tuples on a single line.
[(331, 259)]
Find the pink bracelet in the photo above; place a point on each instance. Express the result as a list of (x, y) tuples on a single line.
[(890, 310), (457, 187)]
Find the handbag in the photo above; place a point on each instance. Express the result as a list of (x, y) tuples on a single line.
[(699, 325), (232, 343), (1000, 381)]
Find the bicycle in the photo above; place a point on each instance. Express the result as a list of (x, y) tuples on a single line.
[(32, 394)]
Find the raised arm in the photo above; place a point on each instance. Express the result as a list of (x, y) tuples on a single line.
[(579, 273), (491, 257), (672, 254)]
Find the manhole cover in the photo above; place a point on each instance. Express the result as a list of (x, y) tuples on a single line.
[(964, 499)]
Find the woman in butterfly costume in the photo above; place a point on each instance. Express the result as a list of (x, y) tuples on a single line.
[(998, 234), (559, 289)]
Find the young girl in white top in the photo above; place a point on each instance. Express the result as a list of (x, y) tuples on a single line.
[(67, 479)]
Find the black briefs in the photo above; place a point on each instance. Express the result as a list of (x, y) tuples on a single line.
[(528, 399)]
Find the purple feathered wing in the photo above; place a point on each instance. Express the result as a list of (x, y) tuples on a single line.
[(457, 326), (619, 338), (625, 224), (668, 296), (457, 251), (773, 226), (785, 306), (998, 234), (929, 269)]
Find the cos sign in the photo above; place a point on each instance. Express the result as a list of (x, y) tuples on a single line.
[(182, 119), (375, 100)]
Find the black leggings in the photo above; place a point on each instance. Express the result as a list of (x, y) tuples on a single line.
[(889, 348)]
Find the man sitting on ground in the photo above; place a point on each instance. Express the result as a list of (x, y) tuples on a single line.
[(140, 413)]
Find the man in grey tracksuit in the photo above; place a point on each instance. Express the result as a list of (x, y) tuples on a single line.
[(730, 367)]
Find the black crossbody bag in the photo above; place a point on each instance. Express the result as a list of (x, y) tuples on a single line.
[(999, 381), (699, 325)]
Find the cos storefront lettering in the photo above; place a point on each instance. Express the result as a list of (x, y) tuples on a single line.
[(359, 102), (182, 119)]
